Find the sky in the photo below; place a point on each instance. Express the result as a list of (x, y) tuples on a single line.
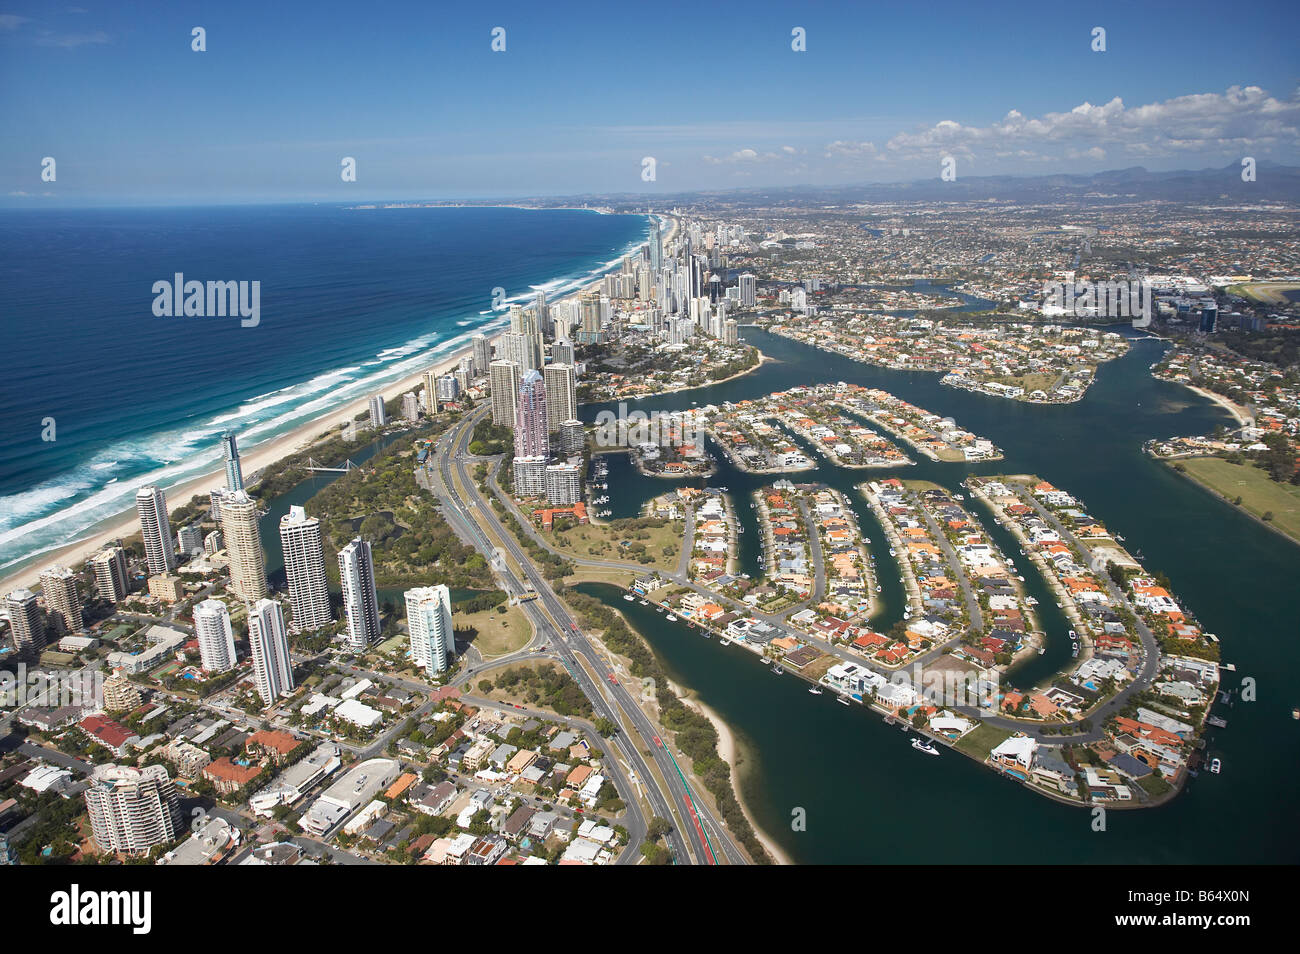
[(583, 93)]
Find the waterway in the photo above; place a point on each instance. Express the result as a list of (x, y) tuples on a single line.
[(868, 796)]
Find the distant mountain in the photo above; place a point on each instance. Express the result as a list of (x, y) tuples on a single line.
[(1274, 182)]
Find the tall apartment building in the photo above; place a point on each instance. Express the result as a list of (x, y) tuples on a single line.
[(448, 388), (520, 348), (410, 407), (562, 352), (215, 637), (230, 450), (431, 391), (304, 567), (109, 565), (189, 540), (156, 531), (561, 394), (120, 694), (269, 642), (239, 529), (132, 809), (532, 427), (748, 290), (26, 621), (563, 484), (573, 437), (62, 604), (482, 355), (360, 604), (378, 415), (504, 381), (529, 476), (428, 617), (730, 332)]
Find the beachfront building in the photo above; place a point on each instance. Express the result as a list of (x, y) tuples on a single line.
[(521, 349), (132, 809), (532, 435), (448, 388), (304, 566), (561, 395), (26, 622), (109, 566), (239, 528), (428, 617), (230, 450), (360, 603), (62, 604), (269, 641), (503, 379), (155, 531), (410, 407), (378, 414), (482, 354), (216, 640)]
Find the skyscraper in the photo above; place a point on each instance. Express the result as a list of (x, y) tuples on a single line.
[(482, 354), (272, 667), (216, 639), (132, 809), (431, 391), (656, 244), (748, 290), (230, 448), (378, 416), (428, 617), (573, 438), (562, 352), (304, 567), (531, 423), (504, 382), (360, 604), (521, 348), (589, 304), (151, 504), (26, 622), (243, 545), (561, 394), (62, 604), (109, 565)]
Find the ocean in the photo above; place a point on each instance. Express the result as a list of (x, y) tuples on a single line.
[(350, 301)]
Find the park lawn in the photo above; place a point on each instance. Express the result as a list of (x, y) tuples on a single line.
[(1154, 786), (982, 740), (580, 540), (1258, 494), (497, 633)]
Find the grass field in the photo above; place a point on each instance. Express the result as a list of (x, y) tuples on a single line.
[(1269, 293), (498, 633), (982, 740), (582, 540), (1258, 494)]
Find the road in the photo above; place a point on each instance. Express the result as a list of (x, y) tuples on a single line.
[(694, 825)]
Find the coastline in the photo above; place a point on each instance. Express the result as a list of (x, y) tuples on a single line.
[(1236, 410), (731, 754), (260, 456)]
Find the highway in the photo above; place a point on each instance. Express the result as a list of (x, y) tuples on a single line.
[(697, 835)]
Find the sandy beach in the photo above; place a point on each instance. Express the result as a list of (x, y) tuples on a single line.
[(254, 459), (1236, 410), (727, 749)]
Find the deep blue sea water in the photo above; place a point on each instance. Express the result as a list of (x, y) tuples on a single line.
[(351, 299)]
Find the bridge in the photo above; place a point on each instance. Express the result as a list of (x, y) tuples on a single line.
[(317, 467)]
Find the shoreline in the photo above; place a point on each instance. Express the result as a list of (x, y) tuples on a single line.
[(125, 523), (730, 753), (1236, 410)]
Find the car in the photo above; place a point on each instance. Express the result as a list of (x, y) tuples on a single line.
[(659, 742), (611, 678)]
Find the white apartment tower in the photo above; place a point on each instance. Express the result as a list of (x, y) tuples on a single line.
[(243, 542), (304, 567), (360, 604), (216, 640), (62, 604), (561, 394), (109, 565), (132, 809), (269, 642), (504, 381), (26, 624), (428, 617), (151, 504)]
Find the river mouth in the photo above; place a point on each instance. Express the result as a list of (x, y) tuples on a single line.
[(852, 776)]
